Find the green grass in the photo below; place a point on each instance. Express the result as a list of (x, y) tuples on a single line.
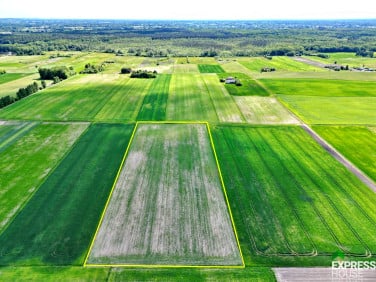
[(4, 78), (68, 273), (57, 224), (185, 68), (11, 132), (289, 196), (23, 171), (126, 101), (321, 87), (249, 86), (189, 99), (79, 98), (225, 106), (281, 64), (210, 68), (346, 59), (332, 110), (356, 143), (155, 102)]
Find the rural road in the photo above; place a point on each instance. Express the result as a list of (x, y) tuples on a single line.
[(306, 274), (339, 157)]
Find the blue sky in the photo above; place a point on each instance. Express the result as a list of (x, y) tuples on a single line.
[(191, 9)]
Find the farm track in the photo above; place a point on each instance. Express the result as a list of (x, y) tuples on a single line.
[(339, 157)]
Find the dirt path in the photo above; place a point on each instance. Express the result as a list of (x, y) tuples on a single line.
[(322, 274), (339, 157)]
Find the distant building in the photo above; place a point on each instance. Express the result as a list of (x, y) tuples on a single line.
[(230, 80)]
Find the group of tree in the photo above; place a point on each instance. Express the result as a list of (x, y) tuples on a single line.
[(6, 100), (363, 52), (56, 74), (143, 74), (2, 72), (125, 70), (90, 69)]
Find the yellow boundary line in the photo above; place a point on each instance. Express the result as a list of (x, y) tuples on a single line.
[(166, 265)]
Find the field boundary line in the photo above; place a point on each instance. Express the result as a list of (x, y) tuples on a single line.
[(110, 195), (242, 266), (225, 193)]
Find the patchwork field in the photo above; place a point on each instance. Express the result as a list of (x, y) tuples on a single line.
[(210, 68), (175, 214), (356, 143), (57, 224), (289, 197), (15, 81)]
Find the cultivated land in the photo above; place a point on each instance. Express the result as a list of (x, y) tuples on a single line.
[(290, 197), (57, 224), (356, 143), (176, 214), (293, 204)]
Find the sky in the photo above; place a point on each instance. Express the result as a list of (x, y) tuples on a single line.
[(189, 10)]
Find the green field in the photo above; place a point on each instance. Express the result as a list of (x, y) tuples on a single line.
[(23, 171), (332, 110), (58, 222), (155, 102), (4, 78), (281, 64), (321, 87), (176, 214), (290, 197), (210, 68), (346, 59), (18, 81), (189, 99), (356, 143), (249, 87)]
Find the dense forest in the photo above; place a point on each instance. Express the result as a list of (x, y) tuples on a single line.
[(188, 38)]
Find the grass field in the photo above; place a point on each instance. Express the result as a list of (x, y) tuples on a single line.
[(249, 86), (57, 224), (281, 64), (224, 104), (79, 98), (321, 87), (11, 87), (185, 68), (264, 110), (155, 102), (332, 110), (189, 99), (23, 171), (210, 68), (346, 59), (290, 197), (356, 143), (4, 78), (176, 213)]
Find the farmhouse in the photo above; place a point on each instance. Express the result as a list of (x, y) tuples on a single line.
[(230, 80)]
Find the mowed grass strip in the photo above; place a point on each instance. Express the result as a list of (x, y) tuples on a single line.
[(4, 78), (59, 221), (189, 99), (79, 98), (155, 102), (356, 143), (288, 195), (226, 108), (321, 87), (175, 214), (25, 164), (264, 110), (210, 68), (126, 102), (249, 86), (332, 110)]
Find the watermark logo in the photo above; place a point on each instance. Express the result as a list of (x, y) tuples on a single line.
[(349, 270)]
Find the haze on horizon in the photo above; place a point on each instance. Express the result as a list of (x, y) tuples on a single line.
[(188, 10)]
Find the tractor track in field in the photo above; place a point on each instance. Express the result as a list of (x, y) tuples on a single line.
[(339, 157)]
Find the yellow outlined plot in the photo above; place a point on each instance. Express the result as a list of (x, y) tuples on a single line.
[(103, 256)]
